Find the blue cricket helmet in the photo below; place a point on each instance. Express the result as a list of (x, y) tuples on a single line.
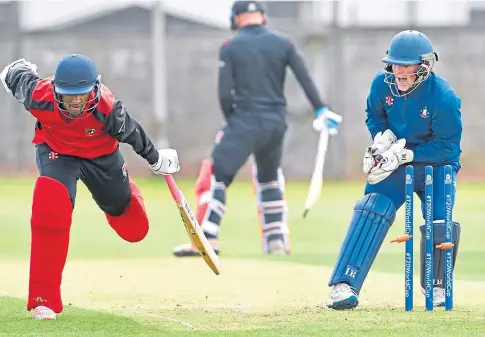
[(75, 75), (408, 48)]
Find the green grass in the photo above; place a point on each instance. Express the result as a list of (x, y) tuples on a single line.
[(315, 243), (294, 323)]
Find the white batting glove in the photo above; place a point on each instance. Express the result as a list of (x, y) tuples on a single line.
[(3, 74), (389, 161), (168, 162), (382, 142)]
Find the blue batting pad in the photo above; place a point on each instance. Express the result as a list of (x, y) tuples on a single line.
[(372, 218)]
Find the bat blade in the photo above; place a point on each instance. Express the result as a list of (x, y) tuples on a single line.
[(317, 176), (194, 231)]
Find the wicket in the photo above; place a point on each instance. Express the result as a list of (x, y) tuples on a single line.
[(408, 237)]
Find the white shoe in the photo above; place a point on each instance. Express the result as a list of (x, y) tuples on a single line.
[(438, 296), (189, 249), (276, 247), (42, 313), (342, 297)]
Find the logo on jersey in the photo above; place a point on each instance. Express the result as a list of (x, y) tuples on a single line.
[(90, 132), (424, 113), (53, 155), (389, 100)]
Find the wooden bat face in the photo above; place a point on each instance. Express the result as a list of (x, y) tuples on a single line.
[(192, 227), (198, 238)]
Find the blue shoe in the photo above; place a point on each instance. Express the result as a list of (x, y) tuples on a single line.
[(343, 297)]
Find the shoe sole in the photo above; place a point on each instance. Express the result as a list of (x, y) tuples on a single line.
[(347, 304)]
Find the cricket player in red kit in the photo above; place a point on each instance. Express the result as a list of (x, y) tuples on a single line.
[(80, 124)]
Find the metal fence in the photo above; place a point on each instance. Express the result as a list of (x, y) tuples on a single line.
[(343, 62)]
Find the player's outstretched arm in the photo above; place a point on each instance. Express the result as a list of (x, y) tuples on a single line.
[(20, 78), (447, 130)]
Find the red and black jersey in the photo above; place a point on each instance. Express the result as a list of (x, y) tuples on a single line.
[(95, 135)]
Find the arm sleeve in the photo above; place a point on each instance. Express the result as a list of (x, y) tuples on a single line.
[(300, 70), (447, 128), (125, 129), (21, 80), (226, 80), (376, 120)]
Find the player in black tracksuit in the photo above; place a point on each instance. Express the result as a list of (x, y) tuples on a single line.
[(252, 69)]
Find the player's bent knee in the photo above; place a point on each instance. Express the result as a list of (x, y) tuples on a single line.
[(378, 204), (222, 173), (51, 204), (132, 225), (116, 209), (373, 216), (223, 168)]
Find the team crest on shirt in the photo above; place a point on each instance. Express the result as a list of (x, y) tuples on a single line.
[(389, 100), (90, 132), (424, 113)]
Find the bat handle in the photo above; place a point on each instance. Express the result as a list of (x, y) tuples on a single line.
[(172, 186)]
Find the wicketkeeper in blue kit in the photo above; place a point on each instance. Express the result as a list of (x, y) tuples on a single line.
[(413, 116)]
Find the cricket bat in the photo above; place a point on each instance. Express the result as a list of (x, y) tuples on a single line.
[(317, 176), (192, 227)]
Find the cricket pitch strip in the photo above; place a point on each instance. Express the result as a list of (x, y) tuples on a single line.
[(161, 285)]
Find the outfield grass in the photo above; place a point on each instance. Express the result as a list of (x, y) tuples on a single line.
[(113, 288)]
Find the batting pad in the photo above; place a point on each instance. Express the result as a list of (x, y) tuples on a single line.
[(372, 218), (272, 210), (50, 228), (438, 254)]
